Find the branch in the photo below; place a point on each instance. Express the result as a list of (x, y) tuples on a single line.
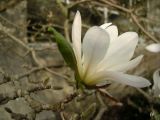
[(33, 53), (105, 93), (104, 3), (134, 18), (78, 2)]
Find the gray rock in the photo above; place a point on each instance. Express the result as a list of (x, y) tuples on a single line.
[(4, 115), (48, 96), (7, 91), (21, 107), (46, 115)]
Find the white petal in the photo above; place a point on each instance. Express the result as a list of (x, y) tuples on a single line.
[(95, 44), (128, 65), (113, 32), (156, 80), (130, 80), (105, 25), (120, 51), (76, 40), (111, 29), (155, 47), (76, 35)]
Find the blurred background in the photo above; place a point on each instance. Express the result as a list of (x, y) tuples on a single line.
[(36, 84)]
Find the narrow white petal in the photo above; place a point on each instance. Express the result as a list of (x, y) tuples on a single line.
[(156, 80), (76, 39), (128, 65), (76, 35), (113, 32), (130, 80), (105, 25), (95, 44), (120, 51), (155, 47)]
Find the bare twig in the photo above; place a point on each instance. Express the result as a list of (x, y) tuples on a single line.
[(55, 73), (62, 116), (33, 53), (8, 4), (63, 8), (78, 2), (66, 29), (9, 22), (37, 106), (115, 6), (103, 107), (130, 12), (104, 92), (58, 26), (142, 28), (147, 96), (15, 39), (28, 72), (100, 113)]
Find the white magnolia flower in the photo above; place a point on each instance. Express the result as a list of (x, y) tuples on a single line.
[(155, 47), (103, 55), (156, 85)]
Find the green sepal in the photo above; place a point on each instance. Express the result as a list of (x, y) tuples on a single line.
[(65, 48)]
